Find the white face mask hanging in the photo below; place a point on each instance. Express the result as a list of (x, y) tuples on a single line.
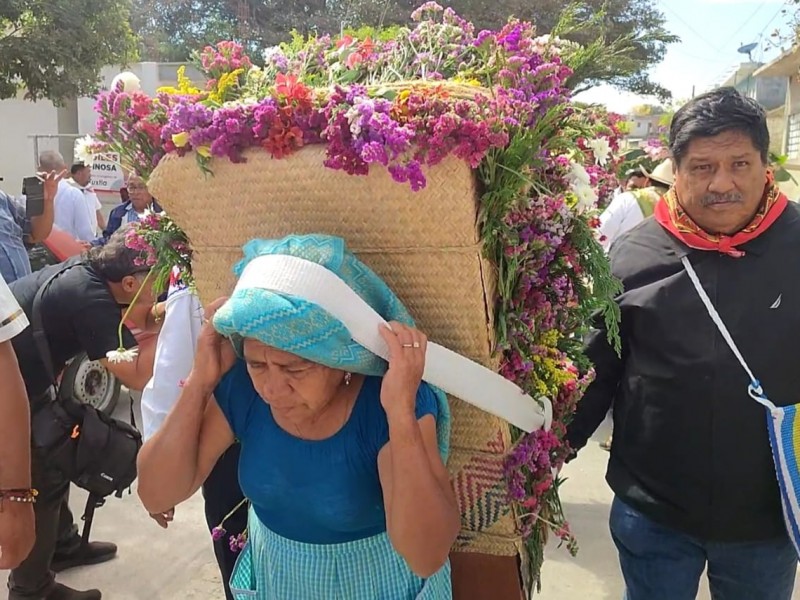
[(783, 424)]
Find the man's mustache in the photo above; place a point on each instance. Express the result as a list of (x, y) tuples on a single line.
[(729, 198)]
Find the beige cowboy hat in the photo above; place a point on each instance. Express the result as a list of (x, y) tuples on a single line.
[(662, 173)]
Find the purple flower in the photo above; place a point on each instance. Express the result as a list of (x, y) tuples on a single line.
[(218, 533), (237, 542)]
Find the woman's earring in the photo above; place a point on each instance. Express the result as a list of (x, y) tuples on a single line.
[(348, 377)]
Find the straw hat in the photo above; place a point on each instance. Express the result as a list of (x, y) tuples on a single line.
[(662, 173)]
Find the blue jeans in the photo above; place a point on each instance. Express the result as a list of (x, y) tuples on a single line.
[(659, 563)]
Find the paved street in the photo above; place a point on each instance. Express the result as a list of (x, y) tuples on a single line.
[(178, 564)]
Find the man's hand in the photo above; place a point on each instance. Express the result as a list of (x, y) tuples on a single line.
[(42, 225), (17, 533), (50, 183)]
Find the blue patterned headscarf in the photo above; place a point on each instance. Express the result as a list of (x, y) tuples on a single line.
[(302, 328)]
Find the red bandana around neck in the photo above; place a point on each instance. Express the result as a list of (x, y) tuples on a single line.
[(671, 216)]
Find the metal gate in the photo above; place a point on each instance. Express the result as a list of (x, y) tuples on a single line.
[(61, 142)]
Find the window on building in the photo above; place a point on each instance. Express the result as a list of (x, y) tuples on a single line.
[(793, 137)]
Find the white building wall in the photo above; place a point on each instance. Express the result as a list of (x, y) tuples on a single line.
[(20, 119)]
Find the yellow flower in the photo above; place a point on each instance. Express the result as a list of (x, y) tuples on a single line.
[(226, 82), (204, 151), (185, 87), (465, 81), (550, 338), (180, 139), (184, 83)]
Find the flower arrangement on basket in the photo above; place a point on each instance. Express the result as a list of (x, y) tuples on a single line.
[(604, 151), (406, 100), (163, 250)]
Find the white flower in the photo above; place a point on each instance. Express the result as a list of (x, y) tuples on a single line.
[(601, 150), (587, 198), (581, 185), (270, 52), (578, 174), (147, 212), (130, 82), (83, 150), (121, 355)]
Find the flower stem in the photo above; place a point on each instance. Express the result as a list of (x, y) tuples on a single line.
[(130, 306), (230, 514), (237, 507)]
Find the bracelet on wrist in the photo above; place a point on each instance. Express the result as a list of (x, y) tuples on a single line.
[(20, 496)]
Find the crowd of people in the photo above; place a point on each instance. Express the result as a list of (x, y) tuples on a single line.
[(264, 395)]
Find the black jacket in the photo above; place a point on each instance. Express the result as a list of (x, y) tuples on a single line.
[(690, 448)]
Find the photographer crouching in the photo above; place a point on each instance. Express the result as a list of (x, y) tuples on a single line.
[(76, 307)]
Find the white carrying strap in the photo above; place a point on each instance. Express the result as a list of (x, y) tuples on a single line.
[(755, 390), (450, 372)]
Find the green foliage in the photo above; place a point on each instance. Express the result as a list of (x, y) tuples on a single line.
[(385, 34), (616, 47), (778, 164), (622, 38), (55, 49)]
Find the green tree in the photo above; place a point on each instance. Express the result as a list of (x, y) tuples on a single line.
[(622, 38), (55, 49), (171, 30)]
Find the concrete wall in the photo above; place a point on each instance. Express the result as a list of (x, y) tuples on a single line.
[(770, 92), (20, 119)]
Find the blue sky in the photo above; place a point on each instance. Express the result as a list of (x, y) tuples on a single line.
[(711, 31)]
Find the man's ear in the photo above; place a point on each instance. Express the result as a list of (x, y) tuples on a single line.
[(129, 284)]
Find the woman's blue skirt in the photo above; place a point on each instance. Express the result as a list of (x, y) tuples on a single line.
[(272, 567)]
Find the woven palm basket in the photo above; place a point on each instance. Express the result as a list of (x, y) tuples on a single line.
[(423, 244)]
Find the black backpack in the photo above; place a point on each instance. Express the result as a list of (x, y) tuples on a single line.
[(94, 451)]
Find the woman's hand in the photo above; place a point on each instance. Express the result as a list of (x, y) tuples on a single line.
[(163, 519), (17, 533), (215, 355), (407, 348)]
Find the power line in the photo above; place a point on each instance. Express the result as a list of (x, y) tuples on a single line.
[(689, 27), (705, 59), (748, 19), (775, 16)]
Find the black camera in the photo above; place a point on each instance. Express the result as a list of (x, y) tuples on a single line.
[(33, 190)]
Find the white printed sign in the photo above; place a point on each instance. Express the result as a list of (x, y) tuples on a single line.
[(107, 175)]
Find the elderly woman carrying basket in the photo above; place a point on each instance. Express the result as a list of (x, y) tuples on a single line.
[(342, 458)]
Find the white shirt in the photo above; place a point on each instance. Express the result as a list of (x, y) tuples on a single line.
[(620, 216), (93, 205), (75, 211), (175, 350), (12, 318)]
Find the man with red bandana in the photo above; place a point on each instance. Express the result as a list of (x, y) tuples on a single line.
[(691, 467)]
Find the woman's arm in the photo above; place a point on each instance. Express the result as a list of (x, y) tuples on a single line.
[(422, 515), (175, 462)]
